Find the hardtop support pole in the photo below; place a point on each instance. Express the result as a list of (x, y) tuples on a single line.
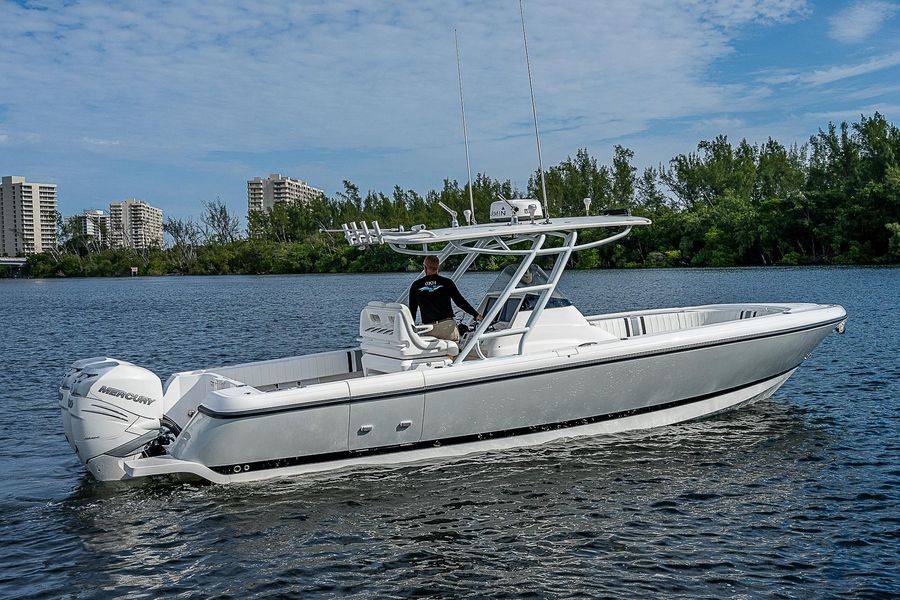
[(467, 262), (553, 280), (501, 300)]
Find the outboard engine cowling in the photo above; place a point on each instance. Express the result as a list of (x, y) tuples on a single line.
[(65, 389), (110, 409)]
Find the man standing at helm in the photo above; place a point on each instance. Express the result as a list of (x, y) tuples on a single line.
[(432, 295)]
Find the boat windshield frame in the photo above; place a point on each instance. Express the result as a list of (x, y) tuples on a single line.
[(525, 239)]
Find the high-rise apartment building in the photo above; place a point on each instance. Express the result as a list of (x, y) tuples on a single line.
[(263, 194), (27, 216), (134, 224), (94, 224)]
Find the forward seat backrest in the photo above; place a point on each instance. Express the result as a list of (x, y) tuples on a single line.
[(665, 322), (654, 323)]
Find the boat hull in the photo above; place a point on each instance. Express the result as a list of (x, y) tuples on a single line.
[(449, 449), (494, 404)]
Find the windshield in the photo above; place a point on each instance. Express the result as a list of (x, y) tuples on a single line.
[(534, 276)]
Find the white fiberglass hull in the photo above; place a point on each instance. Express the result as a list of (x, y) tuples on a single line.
[(437, 451), (637, 383)]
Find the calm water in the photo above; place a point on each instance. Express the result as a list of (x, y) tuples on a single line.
[(793, 497)]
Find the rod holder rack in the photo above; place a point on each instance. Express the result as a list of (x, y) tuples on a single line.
[(361, 235)]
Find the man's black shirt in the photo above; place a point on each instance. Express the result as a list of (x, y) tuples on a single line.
[(432, 294)]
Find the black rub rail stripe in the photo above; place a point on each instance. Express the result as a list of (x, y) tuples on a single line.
[(364, 398), (463, 439)]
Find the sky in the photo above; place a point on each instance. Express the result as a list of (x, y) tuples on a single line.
[(177, 103)]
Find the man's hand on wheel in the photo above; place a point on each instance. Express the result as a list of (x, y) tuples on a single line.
[(478, 317)]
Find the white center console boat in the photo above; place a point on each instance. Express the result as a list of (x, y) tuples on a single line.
[(534, 370)]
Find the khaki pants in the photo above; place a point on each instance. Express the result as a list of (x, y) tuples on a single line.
[(444, 330)]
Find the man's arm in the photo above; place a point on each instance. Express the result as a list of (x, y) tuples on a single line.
[(413, 302), (460, 301)]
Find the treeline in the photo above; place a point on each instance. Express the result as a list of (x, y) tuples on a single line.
[(833, 200)]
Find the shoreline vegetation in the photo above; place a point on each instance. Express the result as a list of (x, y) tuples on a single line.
[(832, 201)]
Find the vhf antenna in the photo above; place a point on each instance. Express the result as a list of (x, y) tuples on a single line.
[(537, 135), (462, 105)]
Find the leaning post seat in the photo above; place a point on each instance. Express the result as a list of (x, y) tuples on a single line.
[(391, 341)]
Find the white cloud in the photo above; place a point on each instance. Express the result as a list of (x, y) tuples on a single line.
[(719, 124), (99, 142), (780, 77), (836, 73), (859, 21), (357, 75), (853, 114), (736, 13), (873, 92), (826, 75)]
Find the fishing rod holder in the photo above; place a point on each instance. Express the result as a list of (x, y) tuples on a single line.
[(360, 236), (454, 222)]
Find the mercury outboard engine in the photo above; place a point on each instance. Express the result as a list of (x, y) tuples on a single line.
[(111, 409)]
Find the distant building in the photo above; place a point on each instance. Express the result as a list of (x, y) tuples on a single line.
[(27, 216), (94, 224), (263, 194), (134, 224)]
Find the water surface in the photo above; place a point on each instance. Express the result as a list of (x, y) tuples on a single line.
[(793, 497)]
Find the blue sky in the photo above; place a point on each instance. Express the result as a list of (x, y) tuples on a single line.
[(180, 102)]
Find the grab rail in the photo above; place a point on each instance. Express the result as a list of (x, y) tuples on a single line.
[(504, 332)]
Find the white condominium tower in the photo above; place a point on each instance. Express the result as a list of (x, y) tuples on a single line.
[(94, 224), (134, 224), (263, 194), (27, 216)]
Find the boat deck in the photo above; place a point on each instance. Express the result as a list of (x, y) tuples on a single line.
[(342, 365)]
